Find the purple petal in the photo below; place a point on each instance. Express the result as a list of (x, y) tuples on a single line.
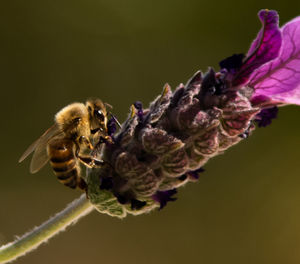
[(233, 62), (139, 107), (194, 175), (279, 80), (265, 116), (264, 48), (111, 126), (163, 197)]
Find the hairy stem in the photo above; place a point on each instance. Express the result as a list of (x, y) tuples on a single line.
[(31, 240)]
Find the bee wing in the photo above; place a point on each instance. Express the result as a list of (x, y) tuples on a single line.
[(39, 158), (40, 155)]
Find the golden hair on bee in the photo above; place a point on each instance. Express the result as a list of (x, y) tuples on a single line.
[(73, 120)]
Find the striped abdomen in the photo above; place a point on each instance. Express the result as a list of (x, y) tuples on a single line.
[(64, 163)]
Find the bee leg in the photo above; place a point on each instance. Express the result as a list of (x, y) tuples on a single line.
[(98, 147), (90, 162), (85, 141), (81, 184), (98, 163), (108, 139), (102, 140)]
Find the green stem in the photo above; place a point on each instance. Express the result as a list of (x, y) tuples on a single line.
[(31, 240)]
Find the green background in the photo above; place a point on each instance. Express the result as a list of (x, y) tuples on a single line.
[(245, 207)]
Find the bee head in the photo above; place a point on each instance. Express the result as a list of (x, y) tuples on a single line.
[(97, 116)]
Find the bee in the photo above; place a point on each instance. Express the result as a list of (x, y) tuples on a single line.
[(66, 143)]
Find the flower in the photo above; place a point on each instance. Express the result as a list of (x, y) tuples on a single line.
[(265, 116), (272, 65), (139, 107), (264, 48), (111, 126), (194, 175), (279, 79), (161, 148), (163, 197)]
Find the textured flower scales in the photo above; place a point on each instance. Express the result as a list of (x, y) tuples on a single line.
[(150, 155)]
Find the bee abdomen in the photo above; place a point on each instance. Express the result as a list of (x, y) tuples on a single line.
[(63, 166), (63, 162), (69, 178), (60, 153)]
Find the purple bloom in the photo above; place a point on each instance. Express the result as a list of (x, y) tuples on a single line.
[(163, 197), (232, 63), (264, 48), (265, 116), (279, 79), (194, 175), (139, 107), (272, 65), (111, 126)]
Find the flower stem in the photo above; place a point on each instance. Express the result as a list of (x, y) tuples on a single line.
[(31, 240)]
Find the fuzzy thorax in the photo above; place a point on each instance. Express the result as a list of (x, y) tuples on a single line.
[(73, 120)]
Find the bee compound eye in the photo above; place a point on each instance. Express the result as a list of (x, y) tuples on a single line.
[(99, 115)]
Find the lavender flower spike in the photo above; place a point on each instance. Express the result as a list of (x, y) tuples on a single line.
[(157, 148), (279, 79)]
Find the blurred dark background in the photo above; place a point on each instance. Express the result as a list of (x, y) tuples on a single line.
[(245, 207)]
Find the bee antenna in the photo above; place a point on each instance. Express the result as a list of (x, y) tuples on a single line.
[(108, 105)]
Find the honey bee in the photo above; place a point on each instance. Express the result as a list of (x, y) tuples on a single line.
[(67, 141)]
